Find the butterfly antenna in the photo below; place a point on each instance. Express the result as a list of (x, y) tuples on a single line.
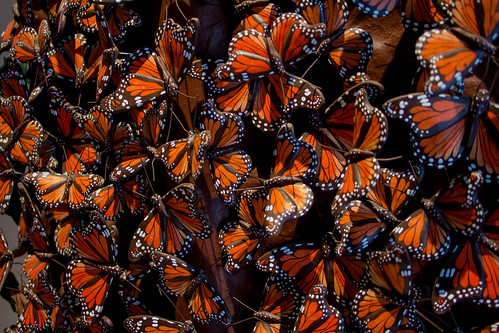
[(180, 10), (430, 321), (243, 304), (310, 67), (388, 159), (58, 263), (178, 119)]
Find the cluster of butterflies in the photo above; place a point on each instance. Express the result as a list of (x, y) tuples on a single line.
[(204, 171)]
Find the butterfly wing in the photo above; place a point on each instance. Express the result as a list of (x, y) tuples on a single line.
[(153, 324), (438, 124), (205, 304), (241, 239), (175, 275), (462, 277), (185, 156), (316, 315), (376, 8), (133, 157), (301, 264)]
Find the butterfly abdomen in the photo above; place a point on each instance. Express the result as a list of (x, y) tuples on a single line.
[(267, 317)]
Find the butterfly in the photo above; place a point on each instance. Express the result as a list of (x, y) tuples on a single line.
[(53, 189), (137, 152), (278, 309), (115, 199), (349, 50), (41, 297), (241, 239), (230, 167), (31, 45), (261, 59), (361, 172), (170, 224), (426, 232), (333, 134), (39, 260), (137, 324), (100, 126), (20, 135), (184, 156), (6, 259), (73, 61), (303, 265), (391, 304), (179, 278), (316, 315), (71, 137), (150, 75), (452, 55), (361, 222), (295, 162), (90, 277), (444, 127)]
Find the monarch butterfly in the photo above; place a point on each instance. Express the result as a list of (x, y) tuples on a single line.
[(333, 134), (137, 152), (178, 278), (30, 45), (303, 265), (393, 301), (426, 232), (376, 8), (278, 309), (6, 259), (40, 260), (115, 199), (149, 323), (230, 167), (72, 137), (72, 61), (41, 297), (120, 19), (316, 315), (349, 50), (20, 135), (100, 126), (255, 57), (362, 169), (444, 127), (170, 224), (53, 189), (184, 156), (161, 73), (90, 277), (241, 239), (295, 162), (452, 55)]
